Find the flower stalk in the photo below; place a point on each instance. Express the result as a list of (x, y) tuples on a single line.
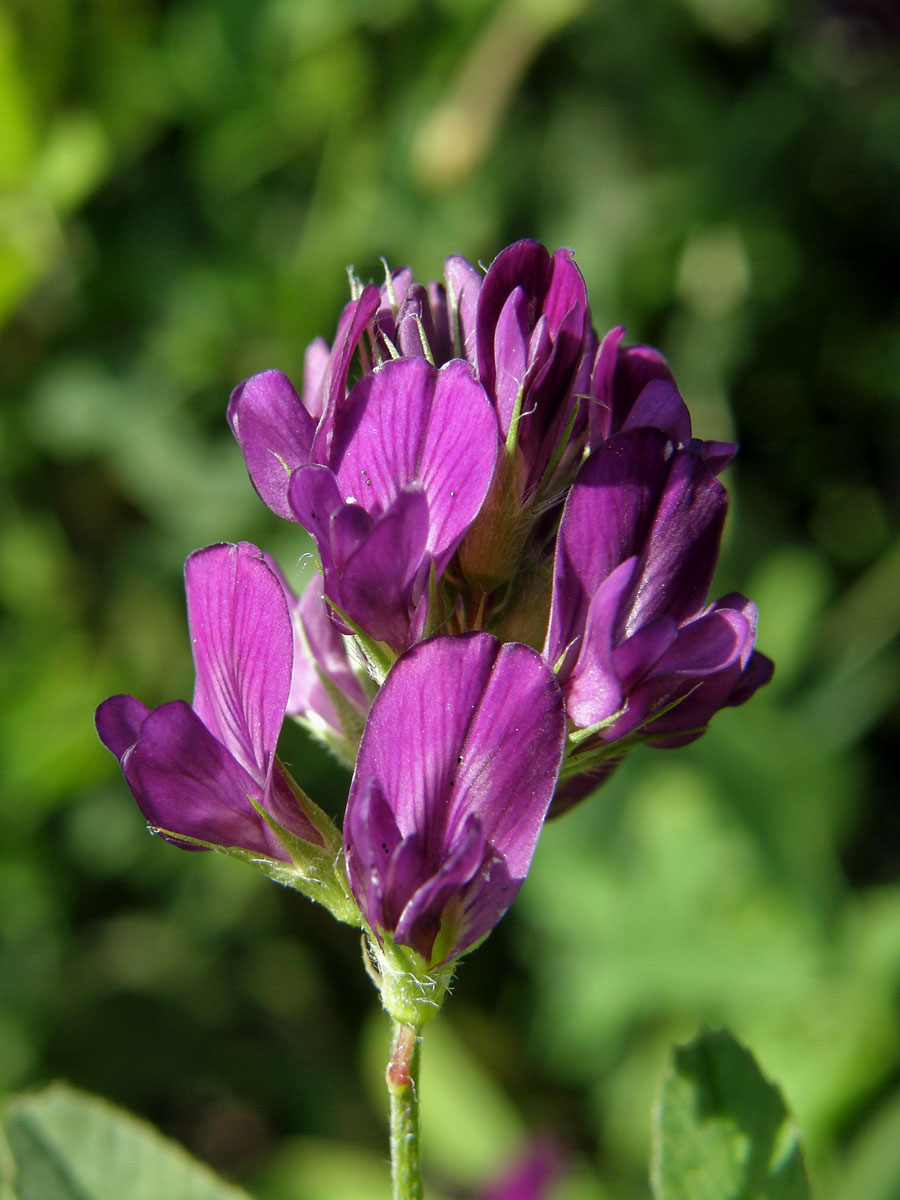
[(402, 1078)]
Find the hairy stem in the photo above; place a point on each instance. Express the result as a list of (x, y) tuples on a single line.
[(402, 1077)]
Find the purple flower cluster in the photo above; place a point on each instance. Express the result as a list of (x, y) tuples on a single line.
[(516, 532)]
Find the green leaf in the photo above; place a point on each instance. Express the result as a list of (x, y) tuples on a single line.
[(722, 1130), (67, 1145)]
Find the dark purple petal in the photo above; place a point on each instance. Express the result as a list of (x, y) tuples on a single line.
[(709, 644), (575, 789), (716, 455), (524, 265), (186, 782), (661, 406), (635, 657), (566, 295), (275, 433), (620, 376), (635, 368), (593, 689), (281, 804), (119, 720), (706, 687), (683, 543), (606, 519), (532, 331), (378, 581), (601, 416), (243, 647), (757, 673), (510, 356), (371, 564), (426, 907), (462, 727)]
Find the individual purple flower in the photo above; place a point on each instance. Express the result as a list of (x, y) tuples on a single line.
[(632, 386), (279, 431), (412, 459), (634, 643), (454, 775), (533, 327), (207, 772)]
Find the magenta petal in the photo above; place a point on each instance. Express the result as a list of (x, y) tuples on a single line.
[(315, 364), (416, 330), (462, 726), (371, 837), (242, 642), (408, 423), (119, 720), (186, 782), (327, 646), (531, 1176), (275, 433), (315, 497), (511, 751)]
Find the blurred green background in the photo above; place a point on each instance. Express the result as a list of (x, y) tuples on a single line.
[(182, 184)]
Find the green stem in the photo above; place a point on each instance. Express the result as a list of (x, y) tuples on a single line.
[(402, 1077)]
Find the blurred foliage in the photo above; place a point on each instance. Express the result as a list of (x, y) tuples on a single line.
[(182, 184)]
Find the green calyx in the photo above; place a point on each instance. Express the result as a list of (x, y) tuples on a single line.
[(412, 992)]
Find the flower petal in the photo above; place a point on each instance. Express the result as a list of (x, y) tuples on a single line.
[(242, 641), (186, 782), (119, 720), (607, 515), (593, 690), (351, 326), (660, 405), (463, 289), (377, 581), (275, 433), (409, 423), (683, 543)]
